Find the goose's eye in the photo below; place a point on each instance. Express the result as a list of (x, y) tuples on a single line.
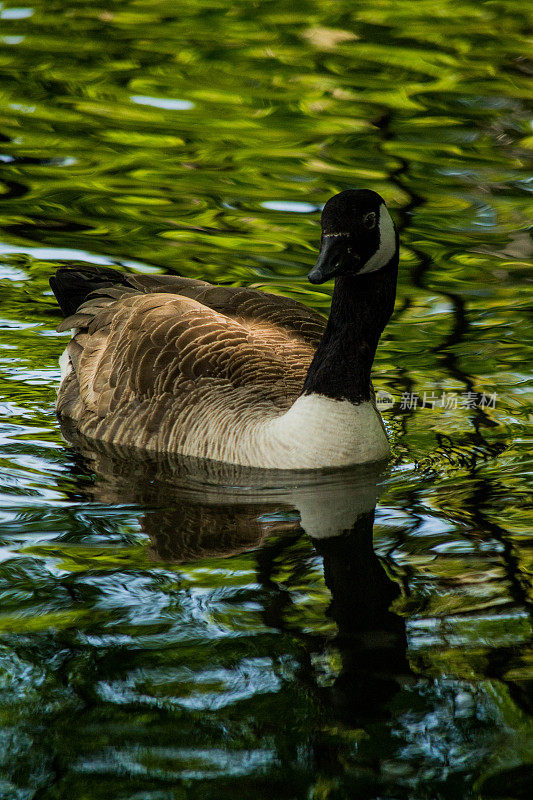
[(369, 220)]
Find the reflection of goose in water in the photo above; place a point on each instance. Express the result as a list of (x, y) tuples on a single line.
[(200, 509), (371, 638)]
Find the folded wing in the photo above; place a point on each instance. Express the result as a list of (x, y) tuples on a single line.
[(155, 358)]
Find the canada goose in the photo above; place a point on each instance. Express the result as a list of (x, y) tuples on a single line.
[(236, 375)]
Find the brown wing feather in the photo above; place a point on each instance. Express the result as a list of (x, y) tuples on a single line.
[(237, 302), (150, 363)]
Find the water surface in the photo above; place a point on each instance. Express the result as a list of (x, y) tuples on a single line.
[(171, 632)]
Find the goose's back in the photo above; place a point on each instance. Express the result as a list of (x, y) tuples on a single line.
[(173, 364)]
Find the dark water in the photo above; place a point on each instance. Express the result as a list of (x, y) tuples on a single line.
[(168, 632)]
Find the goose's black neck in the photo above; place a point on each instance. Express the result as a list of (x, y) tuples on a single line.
[(360, 308)]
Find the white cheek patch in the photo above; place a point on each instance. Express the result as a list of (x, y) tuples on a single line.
[(387, 243)]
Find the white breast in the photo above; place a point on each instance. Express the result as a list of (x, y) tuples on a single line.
[(318, 431)]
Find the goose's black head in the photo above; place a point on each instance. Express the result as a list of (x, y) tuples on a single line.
[(358, 236)]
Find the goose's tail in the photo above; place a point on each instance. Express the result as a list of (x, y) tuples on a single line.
[(72, 285)]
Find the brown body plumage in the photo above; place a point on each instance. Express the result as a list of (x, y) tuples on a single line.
[(156, 358)]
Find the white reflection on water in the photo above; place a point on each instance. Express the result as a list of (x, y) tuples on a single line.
[(289, 205), (64, 254), (168, 103)]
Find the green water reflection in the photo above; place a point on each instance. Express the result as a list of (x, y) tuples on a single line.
[(163, 635)]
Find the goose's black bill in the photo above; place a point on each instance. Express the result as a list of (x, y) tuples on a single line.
[(332, 260)]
